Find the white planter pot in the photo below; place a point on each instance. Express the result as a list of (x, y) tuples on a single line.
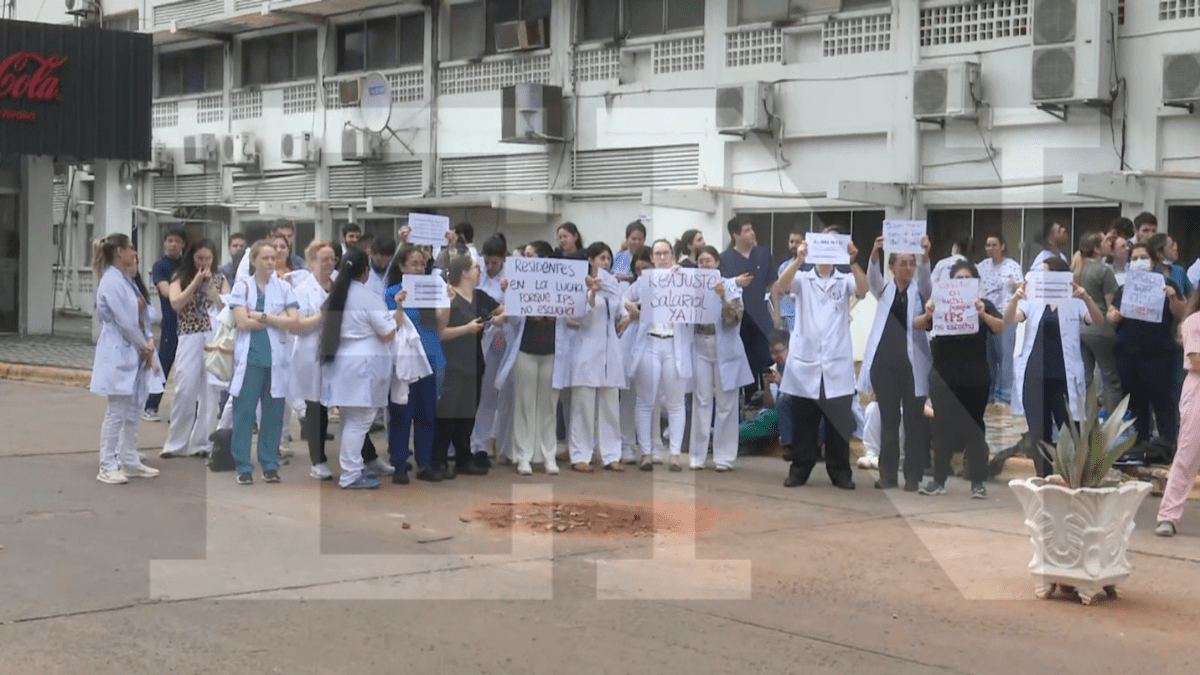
[(1080, 536)]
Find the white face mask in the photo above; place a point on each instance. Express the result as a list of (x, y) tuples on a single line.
[(1140, 265)]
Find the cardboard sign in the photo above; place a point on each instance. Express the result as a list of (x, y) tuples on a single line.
[(428, 230), (1049, 286), (682, 296), (425, 291), (954, 310), (903, 236), (1143, 296), (545, 287), (827, 249)]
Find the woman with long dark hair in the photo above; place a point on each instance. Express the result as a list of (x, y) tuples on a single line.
[(687, 246), (570, 242), (356, 362), (538, 249)]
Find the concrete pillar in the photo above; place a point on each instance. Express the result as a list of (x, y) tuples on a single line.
[(113, 212), (38, 253)]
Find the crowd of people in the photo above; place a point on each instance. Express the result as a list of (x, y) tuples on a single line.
[(471, 385)]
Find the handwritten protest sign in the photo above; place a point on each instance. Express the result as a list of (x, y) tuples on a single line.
[(827, 249), (545, 287), (1142, 297), (425, 291), (954, 310), (1049, 286), (903, 236), (428, 230), (682, 296)]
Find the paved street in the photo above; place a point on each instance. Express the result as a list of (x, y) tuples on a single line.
[(189, 573)]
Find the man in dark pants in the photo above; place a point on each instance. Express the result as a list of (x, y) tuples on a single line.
[(160, 276), (745, 257)]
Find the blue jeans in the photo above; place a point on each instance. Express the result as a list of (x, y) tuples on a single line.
[(256, 386), (421, 409), (1000, 363)]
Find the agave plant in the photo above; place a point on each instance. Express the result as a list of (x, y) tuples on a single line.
[(1084, 455)]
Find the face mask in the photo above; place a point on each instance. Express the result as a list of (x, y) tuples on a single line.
[(1140, 265)]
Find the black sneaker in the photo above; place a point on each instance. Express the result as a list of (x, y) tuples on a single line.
[(978, 491), (271, 476), (795, 478), (932, 488), (245, 479), (472, 469), (882, 484), (911, 486), (400, 477), (428, 475)]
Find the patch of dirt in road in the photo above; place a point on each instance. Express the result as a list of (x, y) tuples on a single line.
[(600, 518)]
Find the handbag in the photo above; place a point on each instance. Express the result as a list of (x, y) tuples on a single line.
[(218, 355)]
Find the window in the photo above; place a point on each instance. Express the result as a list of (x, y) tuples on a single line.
[(473, 24), (279, 58), (381, 44), (757, 11), (127, 22), (1022, 228), (773, 229), (194, 71), (609, 19)]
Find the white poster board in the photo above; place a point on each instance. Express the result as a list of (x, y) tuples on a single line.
[(827, 249), (954, 311), (1049, 286), (545, 287), (1143, 296), (903, 236), (682, 296), (428, 230), (425, 291)]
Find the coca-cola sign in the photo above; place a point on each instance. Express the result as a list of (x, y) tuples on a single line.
[(31, 77)]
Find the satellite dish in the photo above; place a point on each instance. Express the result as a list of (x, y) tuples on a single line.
[(375, 102)]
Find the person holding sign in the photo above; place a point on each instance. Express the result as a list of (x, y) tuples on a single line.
[(721, 369), (897, 362), (959, 387), (1048, 371), (819, 375), (628, 332), (1143, 312)]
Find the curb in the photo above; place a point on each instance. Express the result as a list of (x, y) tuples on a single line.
[(24, 372)]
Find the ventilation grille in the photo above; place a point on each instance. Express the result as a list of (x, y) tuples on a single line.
[(1053, 73), (592, 65), (195, 190), (494, 173), (246, 5), (406, 86), (246, 105), (166, 114), (1181, 77), (392, 179), (1054, 21), (188, 11), (494, 75), (301, 98), (274, 187), (637, 168), (859, 35), (60, 199), (210, 109), (1170, 10), (975, 22), (754, 47), (678, 56)]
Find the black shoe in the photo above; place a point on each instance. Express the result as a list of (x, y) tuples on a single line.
[(911, 485), (400, 477), (448, 472), (271, 476), (482, 459), (245, 479), (1135, 457), (885, 485), (427, 475), (795, 478), (472, 469), (328, 436), (844, 484)]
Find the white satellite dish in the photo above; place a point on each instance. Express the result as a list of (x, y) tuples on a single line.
[(375, 102)]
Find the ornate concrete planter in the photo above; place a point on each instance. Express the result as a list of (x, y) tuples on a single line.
[(1080, 536)]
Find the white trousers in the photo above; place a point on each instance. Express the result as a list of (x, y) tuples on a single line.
[(118, 434), (356, 423), (193, 408), (706, 392), (657, 375), (535, 403), (502, 428), (595, 424), (629, 438)]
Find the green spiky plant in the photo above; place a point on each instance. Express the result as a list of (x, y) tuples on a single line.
[(1084, 455)]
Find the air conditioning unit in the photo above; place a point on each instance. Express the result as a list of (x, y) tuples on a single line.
[(360, 145), (531, 113), (949, 91), (349, 92), (199, 149), (1073, 51), (1181, 79), (163, 160), (744, 108), (515, 36), (239, 150), (299, 149)]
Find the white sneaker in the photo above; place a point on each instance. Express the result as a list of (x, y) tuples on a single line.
[(379, 467), (139, 471), (148, 416), (112, 477), (141, 455), (320, 472), (285, 453), (524, 469), (864, 462)]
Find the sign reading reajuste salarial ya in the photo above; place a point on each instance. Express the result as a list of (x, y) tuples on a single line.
[(683, 296), (545, 287)]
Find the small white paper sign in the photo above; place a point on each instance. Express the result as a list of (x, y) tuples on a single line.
[(954, 311), (1142, 297), (903, 236), (683, 296), (1049, 286), (428, 230), (425, 291), (827, 249), (545, 287)]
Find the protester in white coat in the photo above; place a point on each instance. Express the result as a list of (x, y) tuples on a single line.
[(597, 370), (124, 359), (897, 363), (493, 418), (627, 332)]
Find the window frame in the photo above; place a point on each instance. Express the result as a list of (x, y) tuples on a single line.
[(294, 37), (623, 17), (178, 58), (794, 13), (363, 27), (490, 21)]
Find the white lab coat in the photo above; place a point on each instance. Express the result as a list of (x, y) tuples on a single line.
[(732, 365), (360, 375), (117, 368), (279, 296), (409, 362), (1071, 316), (1044, 255), (598, 360), (919, 356), (820, 348), (682, 339), (376, 283), (306, 359), (564, 344)]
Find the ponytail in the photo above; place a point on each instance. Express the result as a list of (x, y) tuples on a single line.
[(104, 252), (352, 266)]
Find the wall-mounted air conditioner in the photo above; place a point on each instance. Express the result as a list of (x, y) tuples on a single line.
[(1073, 51), (531, 113), (947, 91), (299, 149), (360, 145), (239, 150), (744, 108), (163, 160), (1181, 79), (515, 36), (199, 149)]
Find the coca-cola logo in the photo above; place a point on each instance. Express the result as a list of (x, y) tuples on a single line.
[(32, 77)]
